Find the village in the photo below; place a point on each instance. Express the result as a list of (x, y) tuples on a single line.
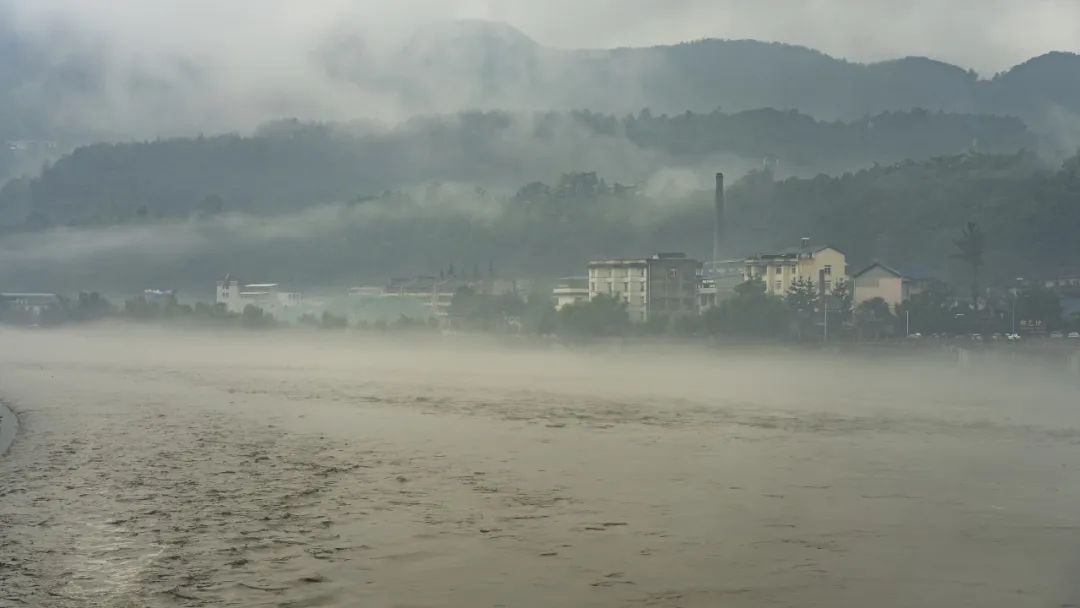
[(667, 289), (807, 292)]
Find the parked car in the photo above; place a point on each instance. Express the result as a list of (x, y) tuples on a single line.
[(1074, 334), (976, 336), (1056, 334), (1012, 337)]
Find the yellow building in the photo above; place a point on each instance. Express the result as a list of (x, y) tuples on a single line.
[(824, 265), (880, 281)]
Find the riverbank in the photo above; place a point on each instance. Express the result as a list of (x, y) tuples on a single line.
[(9, 427)]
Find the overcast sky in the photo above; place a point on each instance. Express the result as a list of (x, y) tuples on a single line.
[(165, 67), (989, 35)]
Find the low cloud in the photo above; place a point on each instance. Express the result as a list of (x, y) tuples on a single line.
[(255, 60)]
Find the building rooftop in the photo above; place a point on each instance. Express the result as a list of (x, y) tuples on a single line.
[(907, 276), (1064, 277), (795, 252), (572, 283), (366, 290), (619, 262), (641, 261), (888, 269), (27, 295)]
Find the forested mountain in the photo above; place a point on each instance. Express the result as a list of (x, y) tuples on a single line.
[(67, 87), (906, 214), (287, 166), (910, 214), (485, 116)]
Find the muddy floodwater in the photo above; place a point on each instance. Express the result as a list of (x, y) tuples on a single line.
[(169, 468)]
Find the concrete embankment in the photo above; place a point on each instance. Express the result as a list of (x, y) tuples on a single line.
[(9, 425)]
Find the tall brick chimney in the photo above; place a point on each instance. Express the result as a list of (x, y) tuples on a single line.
[(718, 225)]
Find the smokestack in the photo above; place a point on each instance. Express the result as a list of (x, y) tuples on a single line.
[(718, 226)]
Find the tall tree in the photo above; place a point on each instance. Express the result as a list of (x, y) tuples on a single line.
[(842, 298), (1039, 307), (748, 313), (802, 299), (602, 316), (802, 296), (971, 246), (873, 316), (931, 310)]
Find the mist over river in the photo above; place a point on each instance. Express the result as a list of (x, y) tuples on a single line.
[(186, 468)]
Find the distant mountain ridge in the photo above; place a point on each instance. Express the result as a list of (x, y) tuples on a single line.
[(504, 65), (481, 65), (290, 165)]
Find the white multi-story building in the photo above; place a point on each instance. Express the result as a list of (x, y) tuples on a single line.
[(235, 296), (663, 285)]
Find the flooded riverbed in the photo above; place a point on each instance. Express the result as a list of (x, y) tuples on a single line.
[(159, 468)]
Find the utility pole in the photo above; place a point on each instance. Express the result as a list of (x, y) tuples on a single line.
[(907, 323), (826, 333), (1016, 296)]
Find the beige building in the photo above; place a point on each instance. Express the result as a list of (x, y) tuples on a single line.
[(236, 295), (32, 304), (665, 284), (881, 281), (570, 290), (826, 266), (1068, 280), (719, 279)]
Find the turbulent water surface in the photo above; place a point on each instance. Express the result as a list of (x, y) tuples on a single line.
[(159, 468)]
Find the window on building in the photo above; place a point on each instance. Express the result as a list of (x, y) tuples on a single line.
[(778, 286), (592, 286), (779, 269), (828, 269), (626, 287)]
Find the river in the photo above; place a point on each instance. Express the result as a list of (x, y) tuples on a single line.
[(167, 468)]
